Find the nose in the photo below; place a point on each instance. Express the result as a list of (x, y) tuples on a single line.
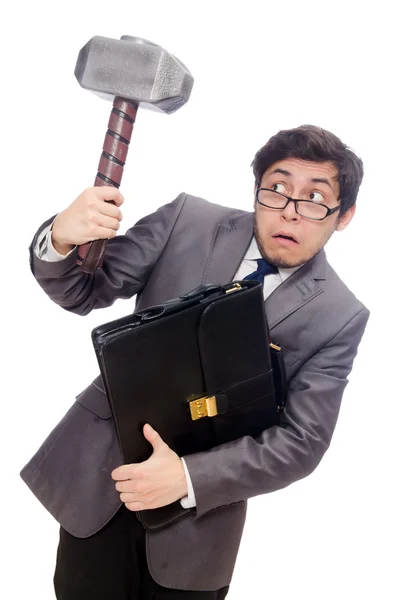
[(289, 213)]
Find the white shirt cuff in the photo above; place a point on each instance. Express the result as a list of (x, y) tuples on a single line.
[(188, 501), (44, 248)]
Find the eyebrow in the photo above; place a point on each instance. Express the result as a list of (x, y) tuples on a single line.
[(313, 180)]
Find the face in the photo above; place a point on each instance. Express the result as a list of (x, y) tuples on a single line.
[(285, 238)]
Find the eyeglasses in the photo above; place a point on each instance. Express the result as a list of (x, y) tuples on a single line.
[(305, 208)]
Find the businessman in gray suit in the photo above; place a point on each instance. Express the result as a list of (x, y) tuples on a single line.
[(306, 185)]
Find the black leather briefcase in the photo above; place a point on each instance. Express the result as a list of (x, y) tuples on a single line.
[(198, 368)]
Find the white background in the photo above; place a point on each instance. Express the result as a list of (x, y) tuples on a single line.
[(258, 67)]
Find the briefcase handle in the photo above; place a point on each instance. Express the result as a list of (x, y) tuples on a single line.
[(189, 299), (203, 291)]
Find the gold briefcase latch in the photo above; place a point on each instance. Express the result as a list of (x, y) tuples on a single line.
[(275, 347), (203, 407), (236, 287)]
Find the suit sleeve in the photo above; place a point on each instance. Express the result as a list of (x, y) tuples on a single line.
[(128, 262), (283, 454)]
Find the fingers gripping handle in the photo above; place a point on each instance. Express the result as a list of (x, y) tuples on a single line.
[(110, 171)]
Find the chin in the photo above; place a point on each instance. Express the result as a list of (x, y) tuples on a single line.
[(282, 263), (281, 259)]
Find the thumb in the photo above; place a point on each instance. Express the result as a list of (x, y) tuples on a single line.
[(153, 437)]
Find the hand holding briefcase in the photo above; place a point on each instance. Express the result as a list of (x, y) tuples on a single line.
[(198, 368)]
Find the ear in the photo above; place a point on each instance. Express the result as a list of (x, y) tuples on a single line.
[(346, 218), (255, 188)]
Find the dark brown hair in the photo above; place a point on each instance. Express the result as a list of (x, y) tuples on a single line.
[(309, 142)]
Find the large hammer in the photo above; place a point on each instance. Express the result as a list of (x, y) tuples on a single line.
[(131, 72)]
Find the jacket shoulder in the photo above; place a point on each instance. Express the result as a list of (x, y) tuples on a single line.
[(201, 209), (341, 292)]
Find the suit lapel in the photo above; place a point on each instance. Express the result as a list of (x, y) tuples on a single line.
[(230, 243), (296, 291)]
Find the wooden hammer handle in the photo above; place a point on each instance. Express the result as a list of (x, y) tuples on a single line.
[(110, 171)]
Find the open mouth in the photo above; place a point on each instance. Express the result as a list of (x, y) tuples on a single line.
[(283, 237)]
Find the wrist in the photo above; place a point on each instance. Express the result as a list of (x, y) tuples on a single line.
[(59, 245), (61, 249)]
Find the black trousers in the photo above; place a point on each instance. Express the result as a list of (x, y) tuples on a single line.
[(111, 565)]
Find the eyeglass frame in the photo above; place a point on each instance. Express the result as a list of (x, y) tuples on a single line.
[(330, 211)]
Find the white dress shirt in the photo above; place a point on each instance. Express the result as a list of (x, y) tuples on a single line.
[(45, 250)]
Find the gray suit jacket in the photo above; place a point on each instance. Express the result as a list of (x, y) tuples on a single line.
[(312, 315)]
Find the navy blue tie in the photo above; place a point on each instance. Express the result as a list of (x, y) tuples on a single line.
[(264, 268)]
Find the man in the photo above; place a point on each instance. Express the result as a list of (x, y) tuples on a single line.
[(306, 185)]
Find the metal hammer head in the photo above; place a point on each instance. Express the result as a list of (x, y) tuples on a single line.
[(134, 69)]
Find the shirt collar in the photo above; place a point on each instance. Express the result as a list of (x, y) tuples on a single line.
[(254, 254)]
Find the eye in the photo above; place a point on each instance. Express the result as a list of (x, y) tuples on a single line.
[(279, 187), (316, 197)]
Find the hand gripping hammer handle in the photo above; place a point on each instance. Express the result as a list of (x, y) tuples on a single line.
[(110, 171)]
